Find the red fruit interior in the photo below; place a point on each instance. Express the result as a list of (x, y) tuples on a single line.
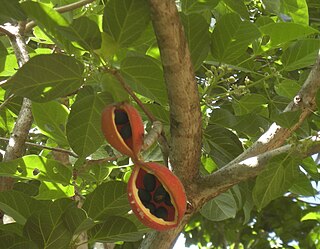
[(128, 141), (139, 185)]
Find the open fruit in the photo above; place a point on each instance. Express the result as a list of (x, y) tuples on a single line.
[(156, 196), (123, 128)]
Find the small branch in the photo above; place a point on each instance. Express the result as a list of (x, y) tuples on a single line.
[(4, 103), (45, 147), (6, 31), (62, 9), (235, 172), (128, 89)]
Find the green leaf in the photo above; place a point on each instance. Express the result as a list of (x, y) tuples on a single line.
[(84, 124), (287, 119), (84, 31), (145, 76), (198, 6), (49, 20), (108, 199), (51, 118), (196, 29), (9, 66), (280, 33), (297, 10), (53, 190), (249, 103), (302, 186), (76, 220), (11, 9), (125, 20), (97, 173), (46, 77), (224, 144), (231, 37), (46, 228), (278, 176), (220, 208), (301, 54), (238, 7), (36, 167), (18, 205), (223, 117), (10, 240), (287, 88), (115, 229)]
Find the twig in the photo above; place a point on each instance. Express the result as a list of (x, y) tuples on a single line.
[(3, 104), (62, 9), (45, 147), (121, 80), (5, 30)]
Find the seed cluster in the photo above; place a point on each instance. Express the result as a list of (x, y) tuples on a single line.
[(122, 122), (154, 196)]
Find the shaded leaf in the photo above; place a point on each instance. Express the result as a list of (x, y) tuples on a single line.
[(278, 176), (53, 190), (231, 37), (287, 119), (238, 7), (11, 9), (297, 10), (108, 199), (84, 122), (196, 29), (10, 240), (249, 103), (46, 77), (145, 76), (125, 20), (301, 54), (115, 229), (287, 88), (220, 208), (46, 228), (198, 6)]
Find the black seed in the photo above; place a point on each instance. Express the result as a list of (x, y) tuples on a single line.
[(151, 207), (144, 196), (160, 194), (125, 131), (161, 212), (120, 117), (149, 182)]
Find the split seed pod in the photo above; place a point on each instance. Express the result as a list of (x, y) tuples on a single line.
[(122, 127), (156, 196)]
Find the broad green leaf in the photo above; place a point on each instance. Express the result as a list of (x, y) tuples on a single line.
[(287, 88), (46, 227), (30, 188), (280, 33), (238, 7), (145, 76), (223, 117), (125, 20), (220, 208), (286, 119), (278, 176), (272, 6), (224, 144), (10, 240), (311, 216), (11, 9), (84, 31), (51, 118), (14, 228), (49, 20), (297, 10), (231, 37), (302, 186), (84, 124), (198, 6), (18, 205), (53, 190), (159, 112), (115, 229), (251, 124), (36, 167), (108, 199), (208, 164), (46, 77), (76, 220), (9, 65), (196, 29), (249, 103), (96, 173), (301, 54)]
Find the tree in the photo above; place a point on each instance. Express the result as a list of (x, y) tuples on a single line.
[(233, 83)]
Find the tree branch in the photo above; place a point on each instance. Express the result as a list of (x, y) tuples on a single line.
[(185, 115), (235, 172), (16, 145)]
